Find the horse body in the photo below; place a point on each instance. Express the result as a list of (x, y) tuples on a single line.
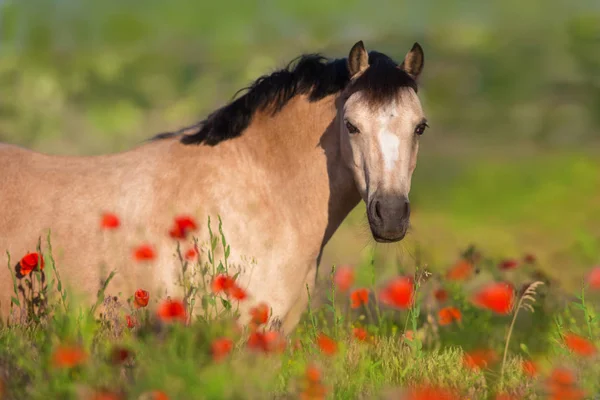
[(281, 189)]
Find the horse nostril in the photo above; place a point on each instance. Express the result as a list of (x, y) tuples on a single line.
[(406, 209), (378, 210)]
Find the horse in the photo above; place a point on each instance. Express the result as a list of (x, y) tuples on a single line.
[(282, 165)]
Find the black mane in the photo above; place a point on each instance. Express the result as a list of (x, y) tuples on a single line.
[(313, 75)]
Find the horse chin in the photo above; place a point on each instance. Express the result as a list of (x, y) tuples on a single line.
[(388, 239)]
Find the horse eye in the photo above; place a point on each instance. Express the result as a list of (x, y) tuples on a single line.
[(420, 129), (351, 128)]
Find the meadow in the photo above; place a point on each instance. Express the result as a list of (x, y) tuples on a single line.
[(492, 295)]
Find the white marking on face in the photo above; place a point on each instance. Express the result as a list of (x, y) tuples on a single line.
[(390, 149)]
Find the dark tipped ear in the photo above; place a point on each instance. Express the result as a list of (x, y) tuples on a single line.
[(358, 60), (413, 62)]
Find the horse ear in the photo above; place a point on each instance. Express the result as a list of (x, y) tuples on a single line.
[(358, 60), (413, 62)]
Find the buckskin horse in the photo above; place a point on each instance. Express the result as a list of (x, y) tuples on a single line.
[(282, 165)]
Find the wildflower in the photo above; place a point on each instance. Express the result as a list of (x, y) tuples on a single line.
[(222, 283), (508, 264), (344, 278), (131, 321), (441, 295), (144, 252), (359, 297), (497, 297), (220, 348), (260, 314), (270, 341), (529, 368), (119, 355), (191, 254), (326, 344), (105, 395), (580, 345), (398, 292), (313, 387), (360, 333), (561, 385), (172, 310), (479, 358), (593, 278), (141, 298), (408, 335), (109, 221), (30, 262), (462, 270), (427, 392), (447, 315), (68, 356), (238, 293), (529, 259), (182, 226)]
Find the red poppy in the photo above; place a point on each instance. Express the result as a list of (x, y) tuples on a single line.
[(158, 395), (529, 368), (508, 264), (360, 334), (222, 283), (441, 295), (344, 278), (359, 297), (238, 293), (109, 221), (270, 341), (144, 252), (68, 356), (447, 315), (580, 345), (120, 355), (313, 387), (183, 225), (593, 278), (561, 385), (260, 314), (462, 270), (479, 358), (529, 259), (131, 322), (409, 335), (398, 292), (191, 254), (427, 392), (30, 262), (141, 298), (496, 296), (221, 348), (326, 344), (172, 310)]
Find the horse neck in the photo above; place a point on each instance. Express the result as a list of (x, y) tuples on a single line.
[(301, 146)]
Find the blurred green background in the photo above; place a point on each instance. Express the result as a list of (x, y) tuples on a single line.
[(511, 90)]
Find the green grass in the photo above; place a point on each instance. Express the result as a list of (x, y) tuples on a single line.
[(177, 360)]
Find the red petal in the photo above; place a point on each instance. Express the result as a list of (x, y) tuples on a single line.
[(398, 292), (344, 278), (497, 297)]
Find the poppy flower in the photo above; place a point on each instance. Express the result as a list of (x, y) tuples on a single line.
[(109, 221), (409, 335), (30, 262), (593, 278), (220, 348), (270, 341), (141, 298), (508, 264), (238, 293), (462, 270), (344, 278), (68, 356), (398, 292), (529, 259), (447, 315), (441, 295), (360, 333), (427, 392), (497, 297), (481, 358), (529, 368), (191, 254), (172, 310), (222, 283), (580, 345), (183, 225), (326, 344), (144, 252), (313, 387), (561, 385), (119, 355), (131, 322), (359, 297), (158, 395), (260, 314)]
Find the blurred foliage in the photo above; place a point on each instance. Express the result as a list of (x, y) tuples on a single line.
[(94, 76)]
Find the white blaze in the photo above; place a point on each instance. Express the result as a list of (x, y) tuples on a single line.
[(390, 149)]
